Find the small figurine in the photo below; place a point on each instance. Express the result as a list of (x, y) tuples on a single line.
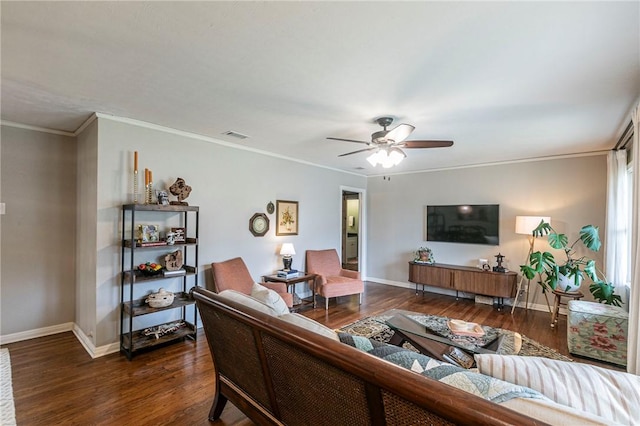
[(181, 190), (499, 267), (163, 198)]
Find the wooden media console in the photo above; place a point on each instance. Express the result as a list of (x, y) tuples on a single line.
[(464, 278)]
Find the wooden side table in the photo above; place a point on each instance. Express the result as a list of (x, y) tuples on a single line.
[(291, 283), (574, 295)]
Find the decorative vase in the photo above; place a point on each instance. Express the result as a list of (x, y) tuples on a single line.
[(568, 283)]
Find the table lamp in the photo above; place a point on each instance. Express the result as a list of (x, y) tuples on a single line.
[(286, 252), (525, 226)]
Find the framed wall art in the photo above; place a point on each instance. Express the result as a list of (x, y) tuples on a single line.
[(287, 217)]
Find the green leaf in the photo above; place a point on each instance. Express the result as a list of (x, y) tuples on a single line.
[(528, 271), (590, 237), (602, 291), (540, 262), (591, 271), (543, 229), (558, 241)]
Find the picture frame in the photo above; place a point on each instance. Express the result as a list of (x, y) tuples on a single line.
[(180, 235), (148, 233), (286, 217)]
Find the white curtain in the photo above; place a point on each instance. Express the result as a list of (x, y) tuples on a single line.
[(633, 352), (617, 237)]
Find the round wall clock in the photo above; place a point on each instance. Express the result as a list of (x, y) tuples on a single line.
[(259, 224), (270, 208)]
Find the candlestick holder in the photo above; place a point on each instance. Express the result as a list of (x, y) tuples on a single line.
[(148, 198), (135, 187)]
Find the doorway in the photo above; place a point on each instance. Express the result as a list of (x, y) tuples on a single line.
[(351, 230)]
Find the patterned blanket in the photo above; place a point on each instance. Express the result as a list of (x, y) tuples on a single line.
[(475, 383)]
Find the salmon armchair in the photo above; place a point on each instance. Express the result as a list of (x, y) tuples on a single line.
[(233, 274), (332, 280)]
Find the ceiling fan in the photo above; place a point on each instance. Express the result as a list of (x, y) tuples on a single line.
[(387, 143)]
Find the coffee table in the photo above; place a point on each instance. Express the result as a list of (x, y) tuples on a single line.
[(432, 337)]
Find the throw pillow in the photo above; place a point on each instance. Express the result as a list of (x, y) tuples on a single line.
[(606, 393), (269, 298), (248, 301), (309, 324)]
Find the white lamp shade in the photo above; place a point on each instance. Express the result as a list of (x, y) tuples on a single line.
[(287, 249), (526, 224)]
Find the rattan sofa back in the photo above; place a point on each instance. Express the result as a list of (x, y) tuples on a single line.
[(278, 373)]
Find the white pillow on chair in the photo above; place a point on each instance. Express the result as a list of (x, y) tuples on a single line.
[(269, 298)]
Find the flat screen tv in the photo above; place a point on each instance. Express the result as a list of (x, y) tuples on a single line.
[(464, 223)]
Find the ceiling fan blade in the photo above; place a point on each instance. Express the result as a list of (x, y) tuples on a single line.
[(360, 150), (400, 132), (349, 140), (427, 144)]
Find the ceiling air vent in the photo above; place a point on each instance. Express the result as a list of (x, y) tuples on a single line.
[(235, 134)]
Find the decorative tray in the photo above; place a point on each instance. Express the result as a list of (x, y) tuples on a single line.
[(472, 329)]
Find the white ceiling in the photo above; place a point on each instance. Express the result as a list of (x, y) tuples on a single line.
[(504, 80)]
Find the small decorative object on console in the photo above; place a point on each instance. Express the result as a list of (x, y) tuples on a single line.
[(499, 267), (181, 190), (161, 299), (424, 255)]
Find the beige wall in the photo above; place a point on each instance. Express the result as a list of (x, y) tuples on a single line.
[(572, 191), (38, 179)]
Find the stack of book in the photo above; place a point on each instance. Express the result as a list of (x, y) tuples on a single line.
[(291, 273)]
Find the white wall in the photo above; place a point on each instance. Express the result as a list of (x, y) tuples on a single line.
[(572, 191), (229, 185), (38, 230)]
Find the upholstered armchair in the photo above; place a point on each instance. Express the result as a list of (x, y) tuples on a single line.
[(233, 274), (332, 280)]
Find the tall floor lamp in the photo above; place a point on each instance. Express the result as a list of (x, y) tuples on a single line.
[(525, 226)]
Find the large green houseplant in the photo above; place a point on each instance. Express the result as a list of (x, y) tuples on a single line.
[(568, 273)]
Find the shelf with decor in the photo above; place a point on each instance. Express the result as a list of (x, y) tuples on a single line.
[(140, 265)]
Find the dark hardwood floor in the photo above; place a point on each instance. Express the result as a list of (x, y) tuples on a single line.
[(56, 382)]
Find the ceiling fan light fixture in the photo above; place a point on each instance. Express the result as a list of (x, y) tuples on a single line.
[(386, 157), (375, 157)]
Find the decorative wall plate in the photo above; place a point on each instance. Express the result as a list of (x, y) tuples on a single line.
[(270, 208), (259, 224)]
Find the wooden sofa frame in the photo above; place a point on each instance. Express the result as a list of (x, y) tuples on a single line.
[(279, 373)]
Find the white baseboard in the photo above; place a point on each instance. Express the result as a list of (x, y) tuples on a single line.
[(87, 344), (38, 332), (462, 295), (84, 340)]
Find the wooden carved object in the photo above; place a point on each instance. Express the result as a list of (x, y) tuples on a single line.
[(181, 190)]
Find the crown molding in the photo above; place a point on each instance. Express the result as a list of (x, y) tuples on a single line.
[(36, 128)]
